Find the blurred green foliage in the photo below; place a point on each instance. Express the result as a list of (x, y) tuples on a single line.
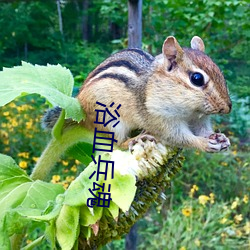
[(30, 32)]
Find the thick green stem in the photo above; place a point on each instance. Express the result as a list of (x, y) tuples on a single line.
[(56, 147)]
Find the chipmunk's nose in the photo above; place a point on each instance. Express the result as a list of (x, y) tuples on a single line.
[(227, 108)]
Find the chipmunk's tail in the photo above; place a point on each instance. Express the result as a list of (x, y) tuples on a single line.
[(50, 117)]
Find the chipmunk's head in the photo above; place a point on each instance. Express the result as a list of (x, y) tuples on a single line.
[(198, 76)]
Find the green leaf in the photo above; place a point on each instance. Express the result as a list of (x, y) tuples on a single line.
[(123, 189), (67, 226), (53, 82), (39, 194), (6, 186), (9, 168), (50, 234), (87, 218), (113, 209), (82, 152)]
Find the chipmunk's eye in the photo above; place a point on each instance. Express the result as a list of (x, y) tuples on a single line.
[(197, 79)]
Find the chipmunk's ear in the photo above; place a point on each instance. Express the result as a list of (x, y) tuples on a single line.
[(197, 43), (171, 49)]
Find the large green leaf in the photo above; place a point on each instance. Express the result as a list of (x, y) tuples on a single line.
[(67, 226), (9, 168), (53, 82), (22, 198)]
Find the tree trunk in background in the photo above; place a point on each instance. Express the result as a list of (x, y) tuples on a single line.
[(135, 23), (59, 16), (131, 238), (134, 41), (85, 20)]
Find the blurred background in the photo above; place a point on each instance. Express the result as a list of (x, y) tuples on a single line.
[(207, 206)]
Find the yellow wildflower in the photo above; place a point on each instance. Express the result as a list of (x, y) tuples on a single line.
[(203, 199), (65, 163), (245, 199), (223, 235), (6, 113), (223, 220), (247, 227), (55, 178), (12, 105), (211, 195), (197, 242), (29, 124), (187, 211), (4, 134), (73, 168), (35, 159), (77, 162), (234, 152), (65, 185), (24, 154), (235, 203), (238, 218), (23, 164), (238, 233), (14, 123), (183, 248), (224, 164), (193, 190), (70, 178)]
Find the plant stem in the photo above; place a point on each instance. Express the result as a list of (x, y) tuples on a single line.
[(57, 147)]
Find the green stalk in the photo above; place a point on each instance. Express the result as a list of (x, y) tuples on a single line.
[(57, 147)]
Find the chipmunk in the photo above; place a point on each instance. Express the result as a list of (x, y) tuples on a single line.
[(169, 97)]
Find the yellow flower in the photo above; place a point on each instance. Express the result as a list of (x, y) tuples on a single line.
[(73, 168), (29, 124), (65, 163), (6, 113), (238, 218), (12, 105), (35, 159), (4, 134), (245, 199), (247, 227), (187, 211), (24, 154), (55, 178), (234, 152), (65, 185), (77, 162), (223, 235), (197, 242), (224, 164), (193, 190), (223, 220), (211, 195), (238, 233), (235, 203), (23, 164), (203, 199), (183, 248), (14, 123), (70, 178)]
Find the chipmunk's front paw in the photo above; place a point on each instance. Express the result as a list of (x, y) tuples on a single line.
[(218, 142), (141, 139)]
